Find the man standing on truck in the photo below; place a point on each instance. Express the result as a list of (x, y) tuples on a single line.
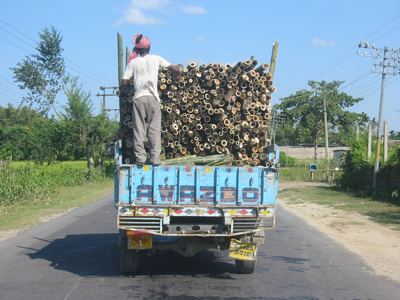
[(143, 70)]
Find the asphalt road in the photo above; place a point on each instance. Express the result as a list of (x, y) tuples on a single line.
[(76, 257)]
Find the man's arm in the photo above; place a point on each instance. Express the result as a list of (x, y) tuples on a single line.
[(128, 75), (175, 68)]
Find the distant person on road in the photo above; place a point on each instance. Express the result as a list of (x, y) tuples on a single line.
[(143, 70)]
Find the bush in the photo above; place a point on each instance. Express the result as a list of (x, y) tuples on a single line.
[(358, 170), (29, 182), (286, 160), (389, 177)]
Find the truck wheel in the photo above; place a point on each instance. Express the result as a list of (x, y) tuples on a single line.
[(128, 258), (245, 266)]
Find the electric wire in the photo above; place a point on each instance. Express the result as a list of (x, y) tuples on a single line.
[(89, 73), (377, 87), (9, 90), (355, 80), (349, 52), (83, 77), (363, 86)]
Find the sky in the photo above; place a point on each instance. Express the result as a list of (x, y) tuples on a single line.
[(317, 40)]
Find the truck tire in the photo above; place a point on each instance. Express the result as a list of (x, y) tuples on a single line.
[(245, 266), (128, 258)]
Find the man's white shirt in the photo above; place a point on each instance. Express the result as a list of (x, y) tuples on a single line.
[(144, 70)]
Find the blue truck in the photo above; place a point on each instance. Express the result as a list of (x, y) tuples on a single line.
[(189, 209)]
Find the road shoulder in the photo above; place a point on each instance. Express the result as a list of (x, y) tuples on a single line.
[(377, 245), (20, 218)]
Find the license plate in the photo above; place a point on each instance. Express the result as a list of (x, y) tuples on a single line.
[(242, 251), (140, 242)]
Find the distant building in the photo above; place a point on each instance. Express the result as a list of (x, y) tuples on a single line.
[(307, 151)]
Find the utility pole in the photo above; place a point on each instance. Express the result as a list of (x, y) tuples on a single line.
[(276, 119), (369, 141), (385, 141), (326, 134), (388, 66), (104, 95), (357, 131)]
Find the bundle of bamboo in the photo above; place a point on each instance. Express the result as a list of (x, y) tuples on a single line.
[(211, 109)]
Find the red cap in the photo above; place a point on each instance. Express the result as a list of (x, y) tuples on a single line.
[(140, 41)]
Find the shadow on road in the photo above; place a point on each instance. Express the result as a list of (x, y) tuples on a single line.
[(97, 255), (291, 260)]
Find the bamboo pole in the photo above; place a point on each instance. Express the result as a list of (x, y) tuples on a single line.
[(121, 102), (120, 57), (127, 54), (273, 59)]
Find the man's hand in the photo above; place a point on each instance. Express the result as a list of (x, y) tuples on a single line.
[(124, 87), (176, 69)]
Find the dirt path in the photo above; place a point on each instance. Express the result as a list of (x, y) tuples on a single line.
[(378, 245)]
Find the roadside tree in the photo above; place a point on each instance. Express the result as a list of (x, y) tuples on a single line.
[(305, 111), (42, 74)]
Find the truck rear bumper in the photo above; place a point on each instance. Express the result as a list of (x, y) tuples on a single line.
[(191, 234), (196, 221)]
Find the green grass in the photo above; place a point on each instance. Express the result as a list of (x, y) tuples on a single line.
[(302, 173), (299, 170), (22, 215), (383, 212), (81, 164)]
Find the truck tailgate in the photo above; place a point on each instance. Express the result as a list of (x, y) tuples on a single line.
[(196, 185)]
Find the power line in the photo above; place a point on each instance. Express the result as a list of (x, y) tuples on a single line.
[(92, 75), (365, 85), (16, 29), (337, 62), (9, 90), (374, 88), (377, 38), (84, 77), (349, 52), (355, 71), (386, 33), (370, 91), (14, 44), (6, 80), (356, 80), (87, 77), (383, 26), (13, 35), (5, 95), (365, 82), (88, 71)]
